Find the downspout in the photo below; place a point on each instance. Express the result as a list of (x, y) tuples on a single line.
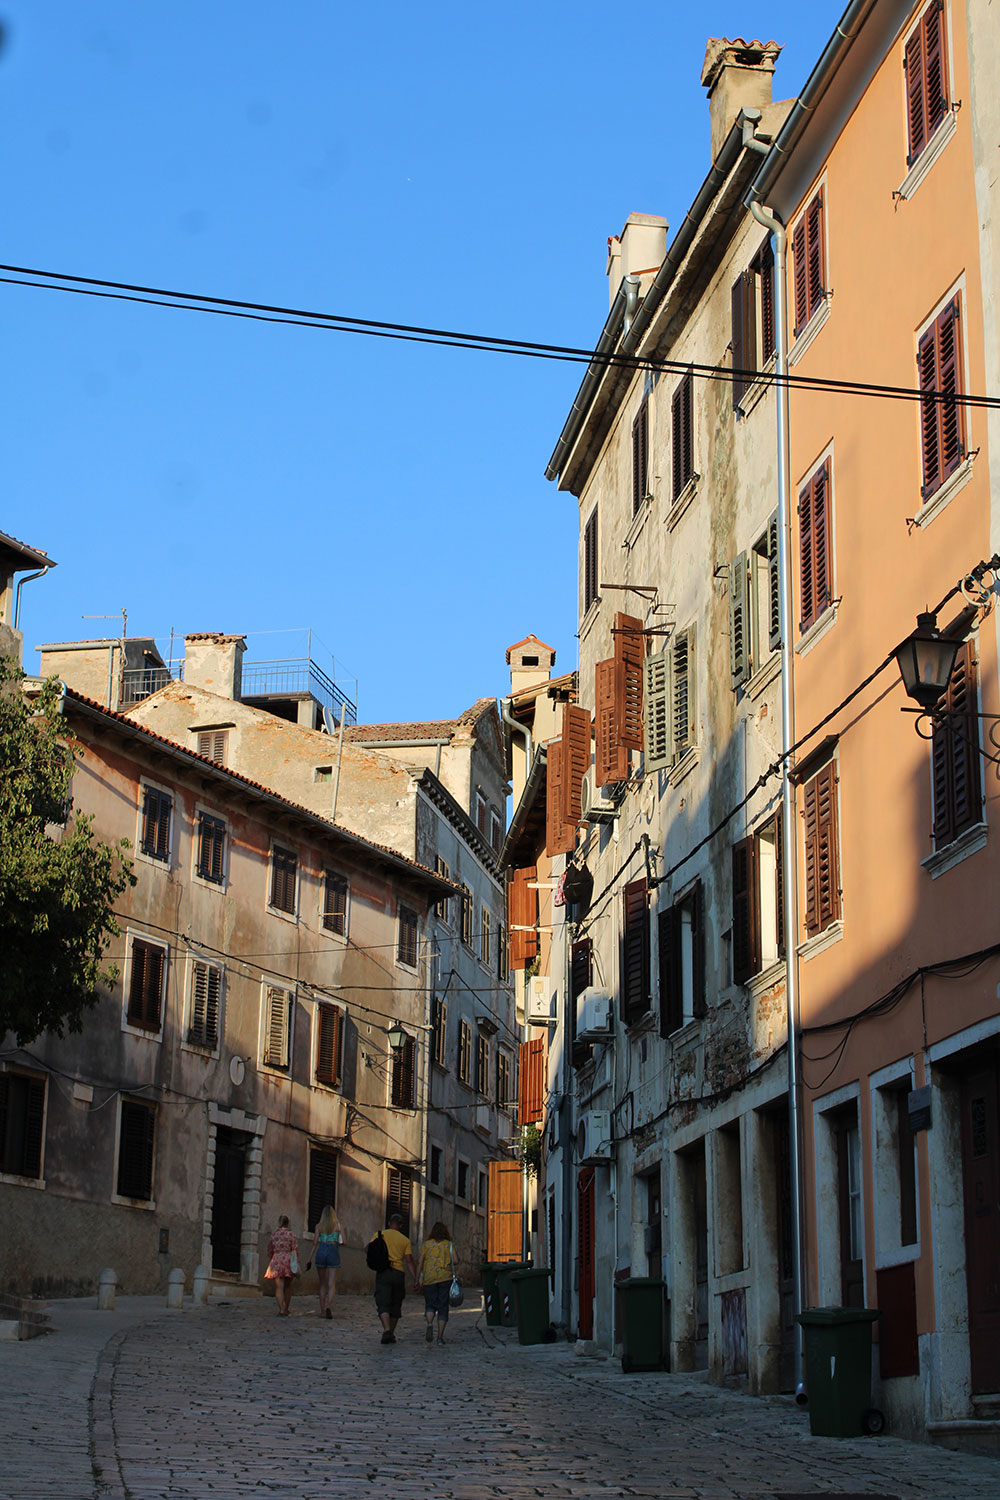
[(28, 578), (522, 729), (770, 221)]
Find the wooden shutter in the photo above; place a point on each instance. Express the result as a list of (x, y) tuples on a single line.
[(815, 558), (406, 937), (682, 434), (505, 1185), (955, 753), (822, 863), (610, 755), (531, 1082), (213, 744), (630, 648), (682, 707), (916, 118), (925, 70), (640, 455), (765, 271), (156, 823), (560, 833), (740, 664), (576, 736), (695, 903), (22, 1118), (277, 1018), (580, 979), (211, 848), (322, 1184), (399, 1194), (135, 1151), (284, 868), (815, 256), (746, 910), (635, 952), (335, 902), (657, 749), (523, 916), (590, 562), (744, 346), (145, 996), (329, 1043), (671, 979), (799, 277), (402, 1086), (773, 586), (950, 414), (206, 985)]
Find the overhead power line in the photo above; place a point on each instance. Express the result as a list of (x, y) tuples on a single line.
[(297, 317)]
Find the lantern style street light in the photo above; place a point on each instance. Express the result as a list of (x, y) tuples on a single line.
[(396, 1037), (926, 659)]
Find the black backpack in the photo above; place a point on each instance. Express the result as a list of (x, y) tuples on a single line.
[(377, 1254)]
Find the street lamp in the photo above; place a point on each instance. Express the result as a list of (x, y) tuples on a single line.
[(396, 1037), (925, 661)]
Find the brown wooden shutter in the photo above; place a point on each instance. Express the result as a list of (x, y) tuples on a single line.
[(800, 277), (668, 934), (815, 255), (744, 308), (773, 585), (590, 561), (913, 69), (523, 916), (146, 985), (630, 648), (399, 1194), (402, 1081), (576, 737), (746, 910), (335, 902), (822, 862), (560, 832), (765, 270), (935, 74), (211, 848), (329, 1038), (954, 753), (640, 455), (681, 410), (155, 838), (740, 664), (205, 987), (950, 413), (505, 1186), (635, 952), (610, 755), (322, 1184), (929, 418), (531, 1082), (815, 547), (135, 1151)]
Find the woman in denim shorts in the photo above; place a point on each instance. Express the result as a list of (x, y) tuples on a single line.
[(435, 1271), (326, 1253)]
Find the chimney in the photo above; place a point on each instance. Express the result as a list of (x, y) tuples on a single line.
[(215, 663), (530, 662), (637, 251), (738, 76)]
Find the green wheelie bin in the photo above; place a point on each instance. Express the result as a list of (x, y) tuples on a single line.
[(838, 1344), (642, 1308), (531, 1298), (489, 1272), (505, 1292)]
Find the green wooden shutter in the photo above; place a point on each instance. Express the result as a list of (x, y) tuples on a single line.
[(683, 734), (277, 1027), (740, 664), (657, 750), (773, 585)]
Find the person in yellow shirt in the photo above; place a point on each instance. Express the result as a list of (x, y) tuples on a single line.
[(435, 1270), (390, 1285)]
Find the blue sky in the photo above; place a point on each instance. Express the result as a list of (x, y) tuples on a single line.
[(447, 165)]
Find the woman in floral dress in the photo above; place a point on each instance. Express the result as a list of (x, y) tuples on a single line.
[(281, 1248)]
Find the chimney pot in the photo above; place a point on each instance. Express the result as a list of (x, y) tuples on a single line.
[(737, 75)]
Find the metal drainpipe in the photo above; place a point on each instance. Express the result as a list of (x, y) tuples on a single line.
[(522, 729), (28, 578), (769, 220)]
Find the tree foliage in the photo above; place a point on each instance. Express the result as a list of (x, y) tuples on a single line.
[(58, 883)]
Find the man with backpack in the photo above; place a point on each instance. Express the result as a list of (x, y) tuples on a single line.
[(386, 1255)]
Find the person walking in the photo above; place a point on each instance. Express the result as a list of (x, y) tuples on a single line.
[(435, 1270), (327, 1240), (390, 1284), (283, 1264)]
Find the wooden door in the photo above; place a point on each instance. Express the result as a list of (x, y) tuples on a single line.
[(586, 1268), (981, 1175), (505, 1212), (227, 1202)]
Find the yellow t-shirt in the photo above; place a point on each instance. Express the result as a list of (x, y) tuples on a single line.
[(435, 1262), (399, 1248)]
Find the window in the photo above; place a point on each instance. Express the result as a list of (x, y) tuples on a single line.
[(590, 563), (668, 702), (22, 1120), (284, 872), (503, 957), (145, 991), (496, 830), (481, 812), (640, 456), (906, 1165), (464, 1052), (486, 922), (439, 1021), (942, 419), (822, 853), (277, 1027), (154, 838), (135, 1150), (482, 1191), (809, 262), (753, 321), (955, 753), (926, 72), (758, 911), (206, 989), (483, 1065), (401, 1085), (322, 1184), (531, 1082), (682, 431), (462, 1187), (681, 934), (635, 951), (442, 908), (754, 606), (398, 1194), (504, 1081), (467, 916), (323, 773), (211, 848), (435, 1166), (618, 717), (335, 903), (406, 937), (580, 979), (214, 744), (815, 548), (329, 1043), (852, 1291)]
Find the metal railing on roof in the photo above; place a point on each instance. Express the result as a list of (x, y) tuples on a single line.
[(297, 677), (139, 682)]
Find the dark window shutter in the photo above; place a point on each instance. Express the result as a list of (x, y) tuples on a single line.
[(954, 754), (211, 848), (773, 586), (203, 1030), (695, 903), (329, 1041), (399, 1194), (950, 414), (913, 68), (322, 1184), (145, 996), (407, 937), (822, 863), (590, 562), (335, 902), (668, 925), (815, 553), (22, 1118), (640, 455), (800, 277), (929, 416), (284, 867), (739, 619), (402, 1085), (635, 952), (738, 299), (815, 258), (580, 979), (746, 910), (610, 755), (629, 653), (135, 1151), (765, 271), (935, 74), (155, 837), (576, 758), (681, 411)]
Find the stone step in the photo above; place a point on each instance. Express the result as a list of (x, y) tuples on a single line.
[(21, 1317), (973, 1435)]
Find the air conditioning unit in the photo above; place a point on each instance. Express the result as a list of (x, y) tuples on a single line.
[(593, 1136), (538, 1000), (594, 807), (594, 1019)]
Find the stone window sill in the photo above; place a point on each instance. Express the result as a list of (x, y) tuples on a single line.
[(817, 322), (821, 941), (758, 387), (928, 156), (682, 502), (762, 679), (638, 522), (945, 493), (943, 860), (684, 766), (817, 630)]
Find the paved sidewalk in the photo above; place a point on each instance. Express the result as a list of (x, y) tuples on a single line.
[(230, 1400)]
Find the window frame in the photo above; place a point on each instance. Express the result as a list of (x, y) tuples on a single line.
[(442, 908), (131, 1109), (33, 1128), (215, 740), (439, 1031), (810, 262), (589, 593), (269, 987), (208, 821), (468, 917), (463, 1068), (680, 953), (161, 852), (132, 1022), (918, 141), (279, 859), (334, 879), (211, 967), (758, 893), (935, 367), (485, 935), (753, 327), (640, 456), (403, 1075), (482, 1080), (407, 937)]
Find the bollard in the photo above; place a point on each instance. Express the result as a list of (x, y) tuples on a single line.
[(175, 1288), (202, 1280), (106, 1283)]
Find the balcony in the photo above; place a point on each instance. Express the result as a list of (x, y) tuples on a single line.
[(293, 679), (140, 682)]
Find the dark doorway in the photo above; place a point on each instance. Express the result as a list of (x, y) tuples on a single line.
[(852, 1269), (227, 1203), (654, 1231), (701, 1258), (781, 1135), (586, 1270), (981, 1177)]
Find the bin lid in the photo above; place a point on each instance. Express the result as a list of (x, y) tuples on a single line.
[(528, 1272), (830, 1317), (641, 1281)]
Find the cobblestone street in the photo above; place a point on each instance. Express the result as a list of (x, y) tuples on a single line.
[(230, 1400)]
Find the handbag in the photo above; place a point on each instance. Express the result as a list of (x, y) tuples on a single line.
[(455, 1294), (294, 1264)]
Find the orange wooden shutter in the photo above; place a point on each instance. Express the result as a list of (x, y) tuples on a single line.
[(560, 832), (576, 757), (822, 862), (505, 1210), (531, 1086), (523, 917), (611, 757), (629, 651)]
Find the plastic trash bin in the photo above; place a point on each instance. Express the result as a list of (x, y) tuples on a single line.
[(531, 1297), (642, 1308), (489, 1272), (505, 1292), (838, 1344)]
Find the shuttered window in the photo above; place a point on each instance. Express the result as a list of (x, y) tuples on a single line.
[(610, 755), (398, 1195), (815, 547), (485, 936), (277, 1027), (752, 300), (746, 911), (635, 952), (822, 849), (482, 1065), (335, 903), (590, 562), (656, 710), (206, 993), (329, 1043), (682, 434), (322, 1184), (576, 734), (402, 1081), (214, 744), (681, 944), (154, 839), (442, 908), (284, 871), (406, 937), (22, 1118), (211, 848), (145, 990), (809, 262), (531, 1082), (682, 705), (504, 1086), (926, 70), (439, 1023), (640, 456), (630, 648), (560, 834), (580, 977), (468, 919), (522, 910), (135, 1150), (955, 753), (503, 954), (942, 419), (464, 1068)]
